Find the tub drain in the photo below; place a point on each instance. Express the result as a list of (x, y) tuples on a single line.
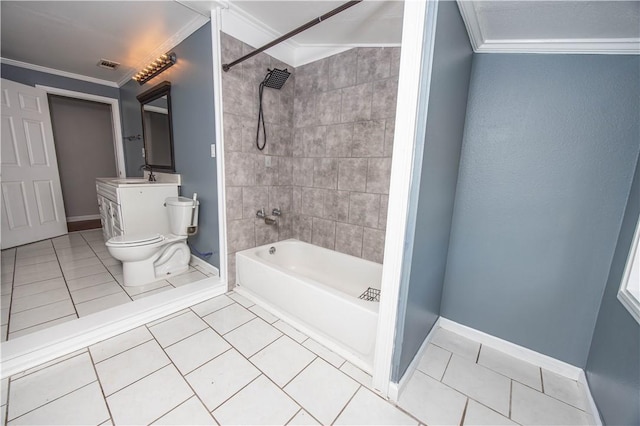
[(371, 295)]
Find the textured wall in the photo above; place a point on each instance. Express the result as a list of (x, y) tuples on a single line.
[(432, 209), (193, 131), (344, 114), (548, 156), (613, 367), (329, 140), (250, 184)]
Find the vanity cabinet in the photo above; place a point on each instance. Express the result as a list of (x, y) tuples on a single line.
[(133, 206)]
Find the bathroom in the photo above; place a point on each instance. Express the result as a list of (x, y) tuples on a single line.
[(286, 185)]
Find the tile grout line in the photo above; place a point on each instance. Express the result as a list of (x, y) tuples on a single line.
[(345, 405), (119, 353), (42, 323), (464, 412), (104, 397), (13, 279), (48, 402), (541, 380), (64, 278), (510, 397), (53, 362)]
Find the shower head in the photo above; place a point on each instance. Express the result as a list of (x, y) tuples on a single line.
[(275, 78)]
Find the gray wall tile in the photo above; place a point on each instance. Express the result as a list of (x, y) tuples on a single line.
[(325, 173), (302, 228), (378, 175), (374, 63), (281, 197), (356, 103), (338, 140), (336, 205), (342, 69), (364, 209), (385, 94), (239, 169), (240, 235), (232, 132), (231, 270), (384, 207), (352, 174), (266, 175), (253, 199), (389, 130), (395, 61), (368, 139), (328, 106), (304, 111), (312, 201), (349, 239), (234, 202), (323, 233), (303, 171), (313, 141), (373, 245), (296, 199), (265, 234)]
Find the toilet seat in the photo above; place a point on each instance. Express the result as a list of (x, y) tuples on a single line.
[(135, 240)]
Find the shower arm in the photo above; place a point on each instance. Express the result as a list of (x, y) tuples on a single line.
[(316, 21)]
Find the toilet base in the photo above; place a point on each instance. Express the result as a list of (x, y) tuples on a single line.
[(173, 260)]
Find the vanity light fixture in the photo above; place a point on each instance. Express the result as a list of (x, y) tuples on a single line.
[(155, 68)]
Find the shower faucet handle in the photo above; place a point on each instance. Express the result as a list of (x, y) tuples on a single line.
[(276, 212), (260, 213)]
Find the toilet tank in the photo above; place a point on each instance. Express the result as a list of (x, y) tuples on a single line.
[(182, 214)]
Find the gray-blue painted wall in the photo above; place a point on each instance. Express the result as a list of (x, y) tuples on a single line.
[(192, 110), (613, 367), (421, 294), (31, 78), (549, 152)]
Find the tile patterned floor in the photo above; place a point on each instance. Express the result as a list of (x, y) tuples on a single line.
[(60, 279), (227, 361)]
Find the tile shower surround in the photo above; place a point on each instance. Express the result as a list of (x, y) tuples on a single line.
[(329, 142)]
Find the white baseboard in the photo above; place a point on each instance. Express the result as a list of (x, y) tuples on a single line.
[(395, 389), (582, 379), (548, 363), (82, 218), (196, 261), (45, 345)]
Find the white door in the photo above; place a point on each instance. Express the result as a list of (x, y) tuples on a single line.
[(31, 201)]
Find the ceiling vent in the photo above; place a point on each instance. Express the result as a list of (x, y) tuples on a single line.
[(110, 65)]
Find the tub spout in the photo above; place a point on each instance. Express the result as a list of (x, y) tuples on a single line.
[(270, 221)]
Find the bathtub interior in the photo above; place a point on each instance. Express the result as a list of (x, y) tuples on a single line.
[(348, 274)]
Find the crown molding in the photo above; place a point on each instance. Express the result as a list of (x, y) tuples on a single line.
[(604, 46), (600, 46), (57, 72), (193, 25), (248, 29)]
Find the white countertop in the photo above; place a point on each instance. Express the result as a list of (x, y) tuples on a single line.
[(127, 182)]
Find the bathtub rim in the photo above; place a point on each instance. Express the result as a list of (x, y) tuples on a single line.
[(309, 331), (251, 255)]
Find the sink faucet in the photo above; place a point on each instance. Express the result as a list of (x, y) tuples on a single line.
[(152, 177)]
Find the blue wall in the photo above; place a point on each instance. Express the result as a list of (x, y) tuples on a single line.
[(31, 78), (193, 130), (549, 152), (432, 211), (613, 368)]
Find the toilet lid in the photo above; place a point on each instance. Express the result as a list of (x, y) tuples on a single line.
[(135, 239)]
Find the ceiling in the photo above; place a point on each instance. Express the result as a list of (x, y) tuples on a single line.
[(69, 38), (72, 37)]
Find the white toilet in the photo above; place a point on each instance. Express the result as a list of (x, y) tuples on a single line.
[(151, 257)]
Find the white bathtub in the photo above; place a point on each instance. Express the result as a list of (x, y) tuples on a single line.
[(317, 289)]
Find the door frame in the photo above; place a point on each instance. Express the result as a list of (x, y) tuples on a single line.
[(118, 142)]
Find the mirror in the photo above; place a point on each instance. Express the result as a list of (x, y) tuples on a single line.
[(155, 106)]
